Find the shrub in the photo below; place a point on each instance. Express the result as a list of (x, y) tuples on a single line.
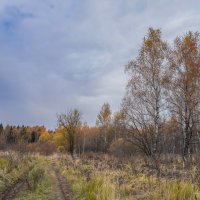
[(121, 148), (61, 149), (3, 164), (33, 178), (43, 148)]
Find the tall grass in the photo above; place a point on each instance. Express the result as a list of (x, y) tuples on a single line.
[(176, 190), (98, 178), (38, 183), (98, 188), (41, 192), (13, 167)]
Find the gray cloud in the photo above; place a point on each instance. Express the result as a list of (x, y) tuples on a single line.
[(57, 54)]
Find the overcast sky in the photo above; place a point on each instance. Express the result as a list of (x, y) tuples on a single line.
[(61, 54)]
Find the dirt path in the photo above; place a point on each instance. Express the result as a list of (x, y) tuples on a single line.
[(61, 189)]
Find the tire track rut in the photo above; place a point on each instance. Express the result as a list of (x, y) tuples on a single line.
[(61, 188), (11, 191)]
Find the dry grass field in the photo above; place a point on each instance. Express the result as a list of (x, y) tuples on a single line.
[(96, 177)]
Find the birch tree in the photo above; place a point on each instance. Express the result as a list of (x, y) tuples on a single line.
[(143, 101), (184, 86), (104, 122)]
